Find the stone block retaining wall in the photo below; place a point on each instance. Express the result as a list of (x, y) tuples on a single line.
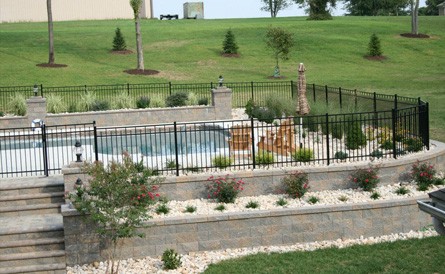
[(221, 109), (266, 181), (247, 229)]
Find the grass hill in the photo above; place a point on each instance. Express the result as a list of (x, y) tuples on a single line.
[(189, 51)]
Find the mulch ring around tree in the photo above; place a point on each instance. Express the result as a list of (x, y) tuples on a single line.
[(276, 78), (376, 58), (411, 35), (141, 72), (48, 65), (231, 55), (121, 52)]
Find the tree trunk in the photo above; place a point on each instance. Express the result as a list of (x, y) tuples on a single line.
[(139, 44), (50, 32), (271, 9), (414, 17)]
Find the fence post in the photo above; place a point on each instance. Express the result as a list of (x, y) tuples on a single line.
[(339, 94), (128, 89), (375, 101), (394, 131), (96, 148), (252, 90), (45, 151), (395, 101), (41, 90), (292, 88), (169, 88), (327, 138), (313, 91), (355, 99), (423, 112), (85, 88), (253, 142), (176, 147), (326, 93)]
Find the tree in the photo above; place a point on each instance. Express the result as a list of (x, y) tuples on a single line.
[(136, 6), (376, 7), (280, 42), (374, 48), (119, 41), (51, 58), (274, 6), (318, 9), (116, 200), (415, 17), (431, 7), (229, 44)]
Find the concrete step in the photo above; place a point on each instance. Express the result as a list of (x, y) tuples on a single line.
[(36, 269), (26, 186), (32, 199), (30, 210), (32, 258), (31, 227), (33, 245)]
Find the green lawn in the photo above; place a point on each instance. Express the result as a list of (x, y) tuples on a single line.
[(410, 256), (187, 51)]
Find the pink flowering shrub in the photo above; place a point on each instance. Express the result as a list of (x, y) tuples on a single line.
[(423, 175), (295, 184), (367, 178), (224, 189)]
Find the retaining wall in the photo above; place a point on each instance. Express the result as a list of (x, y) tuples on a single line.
[(266, 181), (221, 109), (247, 229)]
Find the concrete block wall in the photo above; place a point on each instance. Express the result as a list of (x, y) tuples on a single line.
[(221, 109), (267, 181), (247, 229)]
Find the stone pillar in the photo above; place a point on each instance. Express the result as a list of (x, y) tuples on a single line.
[(222, 101), (71, 173), (36, 108)]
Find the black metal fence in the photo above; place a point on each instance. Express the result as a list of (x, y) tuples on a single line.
[(259, 92), (178, 148)]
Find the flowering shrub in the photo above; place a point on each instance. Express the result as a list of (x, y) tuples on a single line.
[(224, 189), (367, 179), (423, 175), (296, 184)]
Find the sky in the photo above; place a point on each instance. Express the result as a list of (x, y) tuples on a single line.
[(214, 9)]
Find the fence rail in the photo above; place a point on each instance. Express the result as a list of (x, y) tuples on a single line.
[(178, 148)]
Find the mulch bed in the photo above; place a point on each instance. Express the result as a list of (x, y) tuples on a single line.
[(410, 35), (48, 65), (376, 58), (121, 52), (141, 72)]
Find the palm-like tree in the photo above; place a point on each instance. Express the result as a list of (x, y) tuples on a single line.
[(136, 6)]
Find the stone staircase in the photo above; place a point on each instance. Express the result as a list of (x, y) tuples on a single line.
[(31, 226)]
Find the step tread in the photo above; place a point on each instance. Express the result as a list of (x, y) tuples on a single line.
[(19, 208), (30, 182), (31, 196), (35, 242), (31, 224), (32, 268), (32, 255)]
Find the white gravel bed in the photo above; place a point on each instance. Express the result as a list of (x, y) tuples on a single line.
[(266, 202), (197, 262)]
